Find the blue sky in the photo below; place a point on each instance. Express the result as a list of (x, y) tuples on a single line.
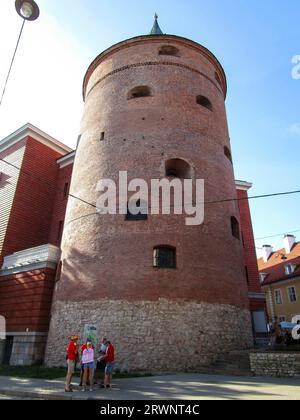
[(254, 40)]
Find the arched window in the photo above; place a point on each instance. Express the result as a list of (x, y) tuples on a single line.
[(227, 153), (164, 257), (178, 168), (205, 102), (235, 228), (139, 210), (139, 92), (168, 50)]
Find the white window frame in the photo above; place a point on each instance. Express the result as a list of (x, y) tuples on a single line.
[(275, 296), (262, 277), (289, 269), (289, 297)]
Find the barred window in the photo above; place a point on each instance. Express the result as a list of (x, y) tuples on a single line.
[(164, 257), (140, 210)]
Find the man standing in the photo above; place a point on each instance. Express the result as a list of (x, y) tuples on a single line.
[(110, 364), (72, 354), (101, 363)]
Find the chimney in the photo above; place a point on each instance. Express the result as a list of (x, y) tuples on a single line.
[(267, 252), (289, 241)]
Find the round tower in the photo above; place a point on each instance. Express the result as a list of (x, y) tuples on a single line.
[(171, 297)]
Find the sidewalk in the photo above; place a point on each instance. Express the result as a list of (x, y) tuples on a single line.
[(174, 387)]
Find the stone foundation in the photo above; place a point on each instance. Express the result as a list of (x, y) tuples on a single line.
[(28, 350), (161, 336), (275, 364)]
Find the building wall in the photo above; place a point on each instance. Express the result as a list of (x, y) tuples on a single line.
[(60, 205), (29, 222), (9, 177), (26, 300), (160, 336), (287, 309), (249, 243)]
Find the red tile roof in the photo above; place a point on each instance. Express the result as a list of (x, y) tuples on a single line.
[(275, 267)]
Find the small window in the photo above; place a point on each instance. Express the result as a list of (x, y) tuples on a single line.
[(169, 50), (292, 294), (139, 92), (278, 297), (66, 190), (102, 136), (205, 102), (141, 212), (227, 153), (164, 257), (290, 269), (178, 168), (262, 277), (235, 228)]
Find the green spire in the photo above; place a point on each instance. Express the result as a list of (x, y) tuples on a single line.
[(156, 29)]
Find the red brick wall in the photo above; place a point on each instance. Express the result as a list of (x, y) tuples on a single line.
[(110, 258), (8, 182), (250, 251), (60, 204), (30, 218), (26, 300)]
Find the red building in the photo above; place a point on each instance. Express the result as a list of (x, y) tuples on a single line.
[(35, 177)]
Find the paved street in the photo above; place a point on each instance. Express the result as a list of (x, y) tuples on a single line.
[(174, 387)]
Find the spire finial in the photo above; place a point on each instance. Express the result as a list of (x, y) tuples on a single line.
[(156, 29)]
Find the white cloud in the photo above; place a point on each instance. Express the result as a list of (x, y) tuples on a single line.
[(295, 129), (46, 80)]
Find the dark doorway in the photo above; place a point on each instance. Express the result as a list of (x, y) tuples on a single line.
[(8, 350)]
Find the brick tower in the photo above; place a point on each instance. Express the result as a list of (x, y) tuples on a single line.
[(171, 297)]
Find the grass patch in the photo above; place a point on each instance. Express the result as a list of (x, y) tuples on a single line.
[(32, 372), (40, 372)]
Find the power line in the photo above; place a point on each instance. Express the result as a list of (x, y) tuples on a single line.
[(277, 235), (12, 62), (227, 200), (97, 213)]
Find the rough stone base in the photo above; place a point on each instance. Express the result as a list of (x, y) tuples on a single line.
[(162, 336), (28, 350), (275, 364)]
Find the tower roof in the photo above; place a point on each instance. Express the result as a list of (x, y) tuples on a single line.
[(156, 28)]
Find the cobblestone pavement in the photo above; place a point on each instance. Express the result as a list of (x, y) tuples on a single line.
[(168, 387)]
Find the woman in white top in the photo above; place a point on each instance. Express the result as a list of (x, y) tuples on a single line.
[(88, 356)]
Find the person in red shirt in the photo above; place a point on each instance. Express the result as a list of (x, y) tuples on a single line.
[(110, 364), (72, 354)]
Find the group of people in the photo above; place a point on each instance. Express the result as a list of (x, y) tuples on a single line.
[(93, 363)]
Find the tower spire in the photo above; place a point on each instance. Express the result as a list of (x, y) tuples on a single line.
[(156, 28)]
